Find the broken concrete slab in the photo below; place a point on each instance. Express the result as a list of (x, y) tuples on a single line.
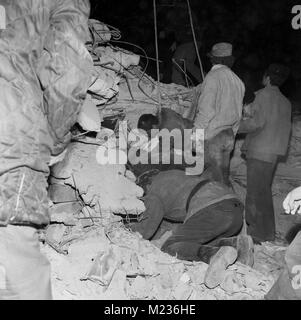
[(60, 193)]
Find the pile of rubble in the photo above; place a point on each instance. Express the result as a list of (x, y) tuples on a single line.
[(113, 263), (93, 255)]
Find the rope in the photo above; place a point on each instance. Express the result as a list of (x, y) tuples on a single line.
[(194, 39), (157, 57)]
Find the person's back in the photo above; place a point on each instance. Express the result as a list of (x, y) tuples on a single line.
[(274, 135), (229, 91), (177, 197), (218, 100)]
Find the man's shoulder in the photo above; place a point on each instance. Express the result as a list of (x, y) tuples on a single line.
[(224, 71), (260, 92), (284, 100), (213, 75)]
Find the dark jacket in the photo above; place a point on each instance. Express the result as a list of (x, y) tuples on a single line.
[(176, 196), (270, 125)]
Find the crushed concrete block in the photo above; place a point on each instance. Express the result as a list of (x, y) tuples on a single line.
[(182, 291), (55, 233), (252, 281), (185, 278), (103, 268), (69, 208), (117, 287), (59, 193), (65, 213), (140, 288), (231, 283), (147, 267), (158, 292), (88, 117), (130, 264), (197, 273), (166, 279), (118, 60)]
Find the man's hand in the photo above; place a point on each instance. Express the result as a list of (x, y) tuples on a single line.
[(292, 202)]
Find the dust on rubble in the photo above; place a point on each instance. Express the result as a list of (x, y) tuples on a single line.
[(114, 263), (92, 254)]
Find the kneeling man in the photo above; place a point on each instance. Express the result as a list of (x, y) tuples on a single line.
[(209, 214)]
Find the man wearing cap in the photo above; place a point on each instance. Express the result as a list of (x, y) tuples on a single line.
[(217, 105), (268, 131)]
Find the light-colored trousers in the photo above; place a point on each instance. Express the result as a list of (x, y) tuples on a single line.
[(24, 270)]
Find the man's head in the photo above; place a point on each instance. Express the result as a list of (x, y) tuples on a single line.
[(275, 75), (148, 122), (221, 53)]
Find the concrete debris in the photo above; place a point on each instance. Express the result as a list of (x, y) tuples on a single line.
[(65, 213), (103, 268), (123, 266), (88, 117), (57, 159), (140, 288), (55, 233), (100, 31), (104, 188), (93, 256), (118, 59), (197, 273), (269, 259), (182, 291), (61, 193), (231, 283), (104, 85)]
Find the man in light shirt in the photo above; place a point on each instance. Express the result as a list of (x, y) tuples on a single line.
[(218, 103)]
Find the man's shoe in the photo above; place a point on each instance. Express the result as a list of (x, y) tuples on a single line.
[(218, 265), (244, 246)]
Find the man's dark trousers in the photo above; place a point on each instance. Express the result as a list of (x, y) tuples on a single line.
[(221, 220), (260, 217)]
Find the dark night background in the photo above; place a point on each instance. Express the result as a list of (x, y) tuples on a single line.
[(260, 31)]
